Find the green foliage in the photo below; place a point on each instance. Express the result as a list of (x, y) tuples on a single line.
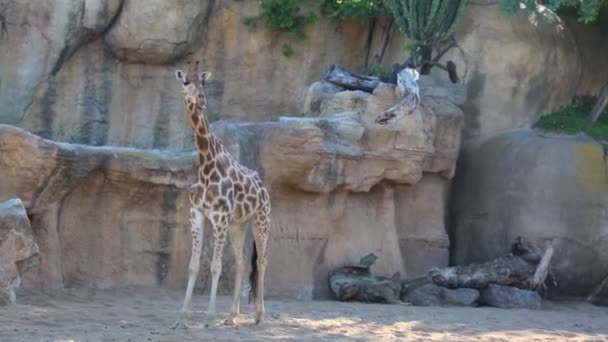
[(343, 9), (428, 19), (587, 11), (574, 120), (287, 50), (375, 69), (250, 21), (285, 15), (409, 46)]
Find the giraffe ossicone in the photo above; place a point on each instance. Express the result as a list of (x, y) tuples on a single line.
[(226, 194)]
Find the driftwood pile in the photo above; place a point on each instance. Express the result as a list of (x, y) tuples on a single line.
[(513, 280)]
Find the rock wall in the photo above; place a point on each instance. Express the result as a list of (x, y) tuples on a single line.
[(100, 72), (18, 248), (545, 188), (341, 187)]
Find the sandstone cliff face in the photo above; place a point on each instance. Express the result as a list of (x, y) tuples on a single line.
[(548, 189), (340, 186), (99, 72)]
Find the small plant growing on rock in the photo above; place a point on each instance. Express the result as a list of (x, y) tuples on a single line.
[(287, 50), (573, 120), (284, 16), (376, 69), (66, 132), (338, 10)]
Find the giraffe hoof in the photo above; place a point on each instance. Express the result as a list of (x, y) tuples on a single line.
[(177, 324), (230, 321), (209, 320)]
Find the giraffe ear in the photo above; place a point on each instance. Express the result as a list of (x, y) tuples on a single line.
[(205, 76), (179, 75)]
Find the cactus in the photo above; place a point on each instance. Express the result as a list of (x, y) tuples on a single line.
[(427, 22), (424, 20)]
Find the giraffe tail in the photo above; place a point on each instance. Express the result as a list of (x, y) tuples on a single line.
[(253, 277)]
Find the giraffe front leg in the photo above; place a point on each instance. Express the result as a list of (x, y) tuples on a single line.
[(196, 221), (220, 233), (237, 239)]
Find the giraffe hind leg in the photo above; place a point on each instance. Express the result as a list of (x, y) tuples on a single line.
[(261, 231)]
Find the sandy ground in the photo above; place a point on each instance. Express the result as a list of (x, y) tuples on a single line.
[(147, 314)]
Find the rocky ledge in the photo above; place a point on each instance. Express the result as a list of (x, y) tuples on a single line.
[(112, 216)]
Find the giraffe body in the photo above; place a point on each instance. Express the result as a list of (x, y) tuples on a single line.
[(227, 195)]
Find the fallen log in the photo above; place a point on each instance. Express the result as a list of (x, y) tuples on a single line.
[(351, 81), (525, 268)]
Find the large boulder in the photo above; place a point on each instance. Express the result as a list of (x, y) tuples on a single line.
[(433, 295), (547, 188), (18, 248), (339, 185), (508, 297), (160, 32)]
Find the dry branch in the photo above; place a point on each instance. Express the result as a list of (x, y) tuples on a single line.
[(539, 276)]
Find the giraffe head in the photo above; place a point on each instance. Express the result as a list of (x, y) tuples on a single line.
[(193, 82)]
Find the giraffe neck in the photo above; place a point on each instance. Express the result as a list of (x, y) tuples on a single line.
[(206, 142)]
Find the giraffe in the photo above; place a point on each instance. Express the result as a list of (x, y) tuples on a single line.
[(227, 195)]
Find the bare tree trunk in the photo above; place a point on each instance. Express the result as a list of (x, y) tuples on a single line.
[(600, 105), (370, 38), (386, 34)]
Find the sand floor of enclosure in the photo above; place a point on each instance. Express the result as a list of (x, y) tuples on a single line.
[(146, 315)]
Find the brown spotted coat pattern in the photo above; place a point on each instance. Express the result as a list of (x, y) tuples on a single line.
[(226, 194)]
